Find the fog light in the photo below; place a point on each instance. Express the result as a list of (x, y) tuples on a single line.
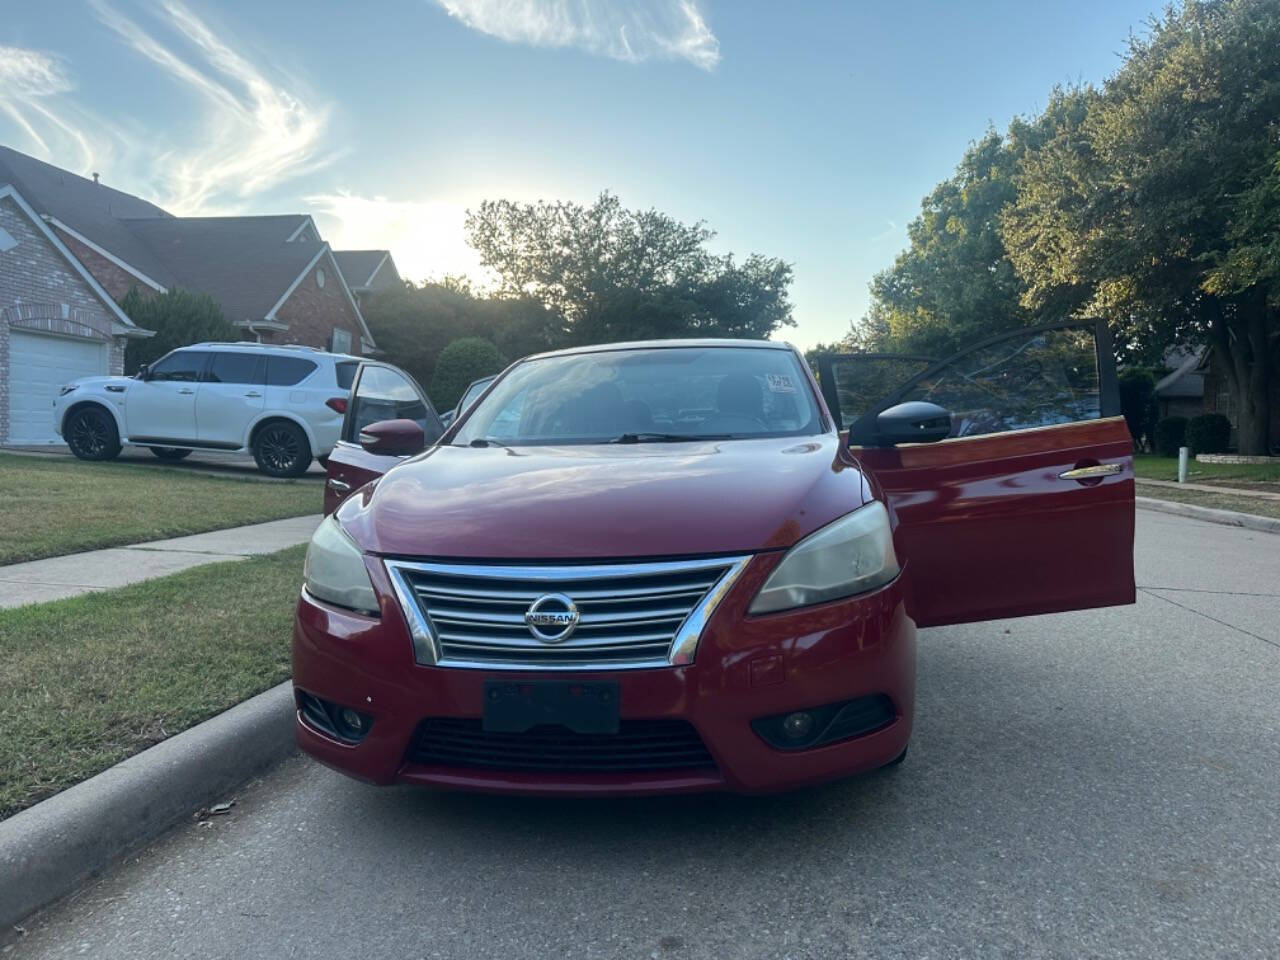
[(352, 720), (797, 726)]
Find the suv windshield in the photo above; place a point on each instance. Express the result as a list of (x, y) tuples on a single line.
[(664, 394)]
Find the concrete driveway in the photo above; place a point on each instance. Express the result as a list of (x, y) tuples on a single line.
[(224, 464), (1094, 784)]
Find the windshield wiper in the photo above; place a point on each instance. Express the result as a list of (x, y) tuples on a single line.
[(646, 437)]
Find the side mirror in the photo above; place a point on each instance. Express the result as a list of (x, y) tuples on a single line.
[(913, 422), (393, 438), (144, 372)]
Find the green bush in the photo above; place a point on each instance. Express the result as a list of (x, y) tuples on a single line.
[(178, 317), (1208, 433), (461, 362), (1138, 402), (1171, 433)]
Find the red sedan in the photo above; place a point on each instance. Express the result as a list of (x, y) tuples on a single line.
[(681, 565)]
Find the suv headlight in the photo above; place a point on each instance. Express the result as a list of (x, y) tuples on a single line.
[(334, 571), (851, 555)]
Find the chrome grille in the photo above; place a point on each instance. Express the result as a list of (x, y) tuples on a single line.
[(629, 614)]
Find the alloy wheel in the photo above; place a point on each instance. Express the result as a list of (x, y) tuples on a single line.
[(89, 435), (279, 448)]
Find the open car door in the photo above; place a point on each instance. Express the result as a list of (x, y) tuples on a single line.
[(1027, 505), (378, 393)]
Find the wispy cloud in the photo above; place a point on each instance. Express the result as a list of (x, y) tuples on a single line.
[(634, 31), (427, 237), (257, 130)]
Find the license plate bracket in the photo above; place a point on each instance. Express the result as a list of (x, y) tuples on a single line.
[(516, 706)]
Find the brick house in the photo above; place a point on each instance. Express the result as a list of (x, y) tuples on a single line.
[(1217, 398), (273, 276), (57, 322), (368, 272)]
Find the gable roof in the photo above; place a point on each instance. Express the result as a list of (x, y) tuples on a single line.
[(242, 262), (126, 326), (359, 267), (91, 210)]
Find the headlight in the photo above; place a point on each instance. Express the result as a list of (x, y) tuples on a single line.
[(851, 555), (335, 571)]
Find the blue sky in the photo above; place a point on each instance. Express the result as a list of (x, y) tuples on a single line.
[(804, 130)]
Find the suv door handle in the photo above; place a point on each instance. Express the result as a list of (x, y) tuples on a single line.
[(340, 486), (186, 390), (1091, 472), (253, 393)]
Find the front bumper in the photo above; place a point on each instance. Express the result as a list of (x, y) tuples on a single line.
[(746, 668)]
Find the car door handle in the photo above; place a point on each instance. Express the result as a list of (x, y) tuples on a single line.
[(1091, 472), (186, 390), (338, 486), (253, 393)]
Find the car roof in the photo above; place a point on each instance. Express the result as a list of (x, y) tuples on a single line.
[(665, 345), (279, 349)]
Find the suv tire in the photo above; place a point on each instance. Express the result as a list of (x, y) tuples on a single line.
[(91, 434), (170, 453), (280, 449)]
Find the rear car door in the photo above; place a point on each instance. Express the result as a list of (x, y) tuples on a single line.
[(1027, 507), (379, 392), (232, 393), (162, 407)]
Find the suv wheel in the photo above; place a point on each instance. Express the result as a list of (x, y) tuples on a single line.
[(281, 449), (92, 435), (170, 453)]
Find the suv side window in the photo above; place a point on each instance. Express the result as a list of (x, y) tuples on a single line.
[(287, 371), (386, 394), (181, 366), (237, 367)]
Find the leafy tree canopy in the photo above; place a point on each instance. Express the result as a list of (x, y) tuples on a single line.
[(178, 318), (607, 273)]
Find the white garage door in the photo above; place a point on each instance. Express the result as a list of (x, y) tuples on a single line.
[(38, 366)]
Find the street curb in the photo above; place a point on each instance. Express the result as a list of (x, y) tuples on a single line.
[(1229, 518), (48, 850)]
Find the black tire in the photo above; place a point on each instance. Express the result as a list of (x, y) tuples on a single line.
[(323, 461), (280, 449), (91, 434), (170, 453)]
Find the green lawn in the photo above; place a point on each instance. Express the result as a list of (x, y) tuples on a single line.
[(1151, 467), (53, 506), (94, 679)]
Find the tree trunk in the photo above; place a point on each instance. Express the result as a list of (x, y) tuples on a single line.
[(1239, 334)]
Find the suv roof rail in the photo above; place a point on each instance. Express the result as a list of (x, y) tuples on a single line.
[(259, 346)]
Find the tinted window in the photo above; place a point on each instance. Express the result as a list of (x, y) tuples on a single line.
[(861, 381), (346, 374), (183, 366), (1020, 382), (386, 394), (235, 368), (691, 392), (286, 371), (473, 391)]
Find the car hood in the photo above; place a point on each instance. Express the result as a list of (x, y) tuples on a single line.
[(641, 500)]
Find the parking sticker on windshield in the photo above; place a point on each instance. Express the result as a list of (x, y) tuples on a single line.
[(779, 383)]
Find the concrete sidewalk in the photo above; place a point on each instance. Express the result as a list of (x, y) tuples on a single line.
[(1209, 488), (68, 576)]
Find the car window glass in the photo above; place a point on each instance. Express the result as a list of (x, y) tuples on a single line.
[(473, 391), (183, 367), (861, 381), (235, 368), (386, 394), (598, 396), (345, 373), (287, 371), (1029, 380)]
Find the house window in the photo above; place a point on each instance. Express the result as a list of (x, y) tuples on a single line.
[(320, 277), (7, 242), (340, 341)]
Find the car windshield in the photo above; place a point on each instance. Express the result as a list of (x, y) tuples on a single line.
[(665, 394)]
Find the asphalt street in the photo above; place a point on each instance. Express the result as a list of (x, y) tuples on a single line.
[(1094, 784)]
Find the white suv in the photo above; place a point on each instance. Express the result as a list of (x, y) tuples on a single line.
[(284, 405)]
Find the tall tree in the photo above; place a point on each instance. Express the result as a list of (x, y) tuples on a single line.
[(178, 318), (1158, 208), (608, 273)]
